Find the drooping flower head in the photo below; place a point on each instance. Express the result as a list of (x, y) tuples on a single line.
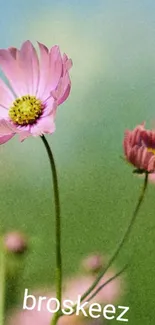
[(139, 148), (37, 86)]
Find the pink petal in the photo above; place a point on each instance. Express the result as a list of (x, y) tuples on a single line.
[(3, 113), (24, 135), (44, 125), (44, 70), (29, 64), (53, 71), (67, 63), (55, 67), (50, 106), (21, 128), (135, 136), (6, 138), (63, 90), (148, 137), (6, 128), (12, 71), (66, 87), (6, 96), (140, 153), (151, 164)]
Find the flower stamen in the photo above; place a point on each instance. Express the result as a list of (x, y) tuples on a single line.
[(151, 150), (25, 110)]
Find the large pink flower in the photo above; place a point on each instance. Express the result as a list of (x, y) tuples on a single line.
[(36, 87), (139, 148)]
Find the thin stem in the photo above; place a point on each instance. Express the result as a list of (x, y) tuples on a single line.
[(121, 243), (55, 319), (102, 286), (108, 281), (58, 227), (2, 284)]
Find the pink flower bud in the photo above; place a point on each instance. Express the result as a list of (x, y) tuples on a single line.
[(93, 263), (15, 242)]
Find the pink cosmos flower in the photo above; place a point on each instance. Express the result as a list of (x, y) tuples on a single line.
[(139, 148), (37, 86)]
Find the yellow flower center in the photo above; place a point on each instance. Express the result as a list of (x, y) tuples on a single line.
[(151, 150), (25, 110)]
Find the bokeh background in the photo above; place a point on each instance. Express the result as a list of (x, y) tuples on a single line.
[(112, 45)]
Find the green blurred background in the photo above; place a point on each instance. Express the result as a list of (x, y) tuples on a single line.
[(112, 45)]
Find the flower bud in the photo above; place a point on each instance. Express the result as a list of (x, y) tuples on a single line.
[(15, 242), (93, 263)]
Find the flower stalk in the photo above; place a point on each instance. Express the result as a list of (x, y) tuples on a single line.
[(57, 227), (118, 249), (123, 240)]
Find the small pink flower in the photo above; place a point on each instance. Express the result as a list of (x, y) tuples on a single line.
[(15, 242), (139, 148), (93, 263), (37, 86)]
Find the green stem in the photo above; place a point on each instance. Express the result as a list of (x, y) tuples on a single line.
[(115, 276), (121, 243), (55, 319), (2, 284), (58, 228)]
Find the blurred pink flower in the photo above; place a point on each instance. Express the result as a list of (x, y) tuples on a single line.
[(71, 290), (139, 148), (44, 317), (93, 263), (36, 88), (109, 294), (15, 242)]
